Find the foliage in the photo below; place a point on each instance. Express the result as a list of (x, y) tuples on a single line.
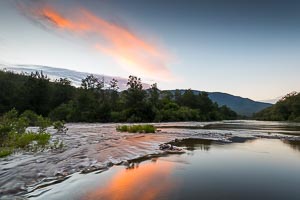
[(11, 123), (5, 152), (23, 140), (60, 126), (136, 128), (43, 123), (14, 136), (113, 85), (92, 102), (31, 116), (92, 83), (286, 109)]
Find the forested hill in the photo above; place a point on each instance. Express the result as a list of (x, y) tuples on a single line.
[(91, 102), (242, 106), (286, 109)]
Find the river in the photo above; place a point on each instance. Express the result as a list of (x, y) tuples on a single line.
[(222, 160)]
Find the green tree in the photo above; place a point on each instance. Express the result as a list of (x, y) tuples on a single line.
[(136, 107), (286, 109), (92, 83), (38, 93)]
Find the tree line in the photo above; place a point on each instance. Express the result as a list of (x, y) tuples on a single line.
[(286, 109), (95, 101)]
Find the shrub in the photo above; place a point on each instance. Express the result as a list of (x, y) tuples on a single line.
[(13, 134), (60, 126), (31, 116), (62, 112), (137, 128), (123, 128), (5, 152), (22, 141), (43, 123)]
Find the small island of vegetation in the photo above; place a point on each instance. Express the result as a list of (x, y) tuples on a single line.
[(146, 128)]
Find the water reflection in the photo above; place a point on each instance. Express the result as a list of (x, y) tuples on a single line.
[(245, 169), (255, 126), (192, 144), (146, 182), (237, 139), (293, 144), (236, 125)]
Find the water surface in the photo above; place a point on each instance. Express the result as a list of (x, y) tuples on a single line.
[(220, 157), (253, 169)]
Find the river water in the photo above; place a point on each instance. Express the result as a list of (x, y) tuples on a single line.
[(222, 160)]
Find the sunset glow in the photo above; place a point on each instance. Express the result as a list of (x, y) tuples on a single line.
[(145, 182), (204, 45), (131, 51)]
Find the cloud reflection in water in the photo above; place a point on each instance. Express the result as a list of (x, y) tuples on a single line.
[(145, 182)]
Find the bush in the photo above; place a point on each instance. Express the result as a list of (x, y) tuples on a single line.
[(62, 112), (10, 122), (31, 116), (43, 123), (5, 152), (13, 134), (60, 126), (136, 128), (123, 128), (23, 141)]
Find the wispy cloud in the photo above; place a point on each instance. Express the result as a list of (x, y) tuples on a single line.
[(131, 51)]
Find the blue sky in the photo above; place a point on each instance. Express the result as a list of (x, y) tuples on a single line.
[(246, 48)]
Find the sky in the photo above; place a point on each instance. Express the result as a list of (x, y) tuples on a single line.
[(249, 48)]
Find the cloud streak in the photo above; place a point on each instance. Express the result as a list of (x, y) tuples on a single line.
[(131, 51)]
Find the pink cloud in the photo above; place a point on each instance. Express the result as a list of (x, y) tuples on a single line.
[(132, 52)]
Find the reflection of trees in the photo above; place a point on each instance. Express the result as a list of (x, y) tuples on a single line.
[(132, 166), (203, 147), (192, 144), (293, 144), (237, 139), (135, 164)]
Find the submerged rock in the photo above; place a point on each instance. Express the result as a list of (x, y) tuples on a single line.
[(169, 148)]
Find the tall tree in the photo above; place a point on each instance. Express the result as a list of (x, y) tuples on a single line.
[(154, 95), (38, 93), (92, 83), (135, 99)]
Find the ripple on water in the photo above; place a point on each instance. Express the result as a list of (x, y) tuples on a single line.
[(89, 145)]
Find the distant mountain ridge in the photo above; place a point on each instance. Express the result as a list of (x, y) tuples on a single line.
[(242, 106)]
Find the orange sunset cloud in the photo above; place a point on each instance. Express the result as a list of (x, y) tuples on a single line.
[(132, 52)]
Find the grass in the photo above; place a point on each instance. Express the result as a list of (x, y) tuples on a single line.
[(29, 140), (14, 136), (5, 152), (136, 128)]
